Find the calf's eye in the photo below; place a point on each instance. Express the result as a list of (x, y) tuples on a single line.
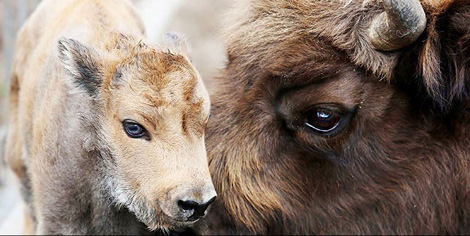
[(134, 129)]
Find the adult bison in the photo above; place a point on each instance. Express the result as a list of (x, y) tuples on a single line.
[(338, 117)]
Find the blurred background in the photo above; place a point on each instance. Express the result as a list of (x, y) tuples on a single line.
[(199, 20)]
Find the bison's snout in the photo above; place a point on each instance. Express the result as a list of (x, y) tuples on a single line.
[(191, 205), (194, 209)]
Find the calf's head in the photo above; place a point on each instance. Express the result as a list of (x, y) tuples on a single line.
[(151, 110)]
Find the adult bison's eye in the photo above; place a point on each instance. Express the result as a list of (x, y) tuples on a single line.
[(327, 119), (323, 120), (134, 129)]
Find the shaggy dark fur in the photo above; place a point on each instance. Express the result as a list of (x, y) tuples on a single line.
[(400, 166)]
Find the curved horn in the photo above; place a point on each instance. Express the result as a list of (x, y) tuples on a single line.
[(400, 25)]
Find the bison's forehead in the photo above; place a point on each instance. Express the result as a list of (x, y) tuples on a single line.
[(156, 69), (274, 36), (157, 72), (290, 31), (264, 30), (159, 82)]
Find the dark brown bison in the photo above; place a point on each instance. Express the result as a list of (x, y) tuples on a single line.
[(338, 117)]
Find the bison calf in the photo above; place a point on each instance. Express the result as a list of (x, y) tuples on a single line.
[(106, 132)]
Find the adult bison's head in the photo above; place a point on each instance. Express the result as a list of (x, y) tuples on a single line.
[(341, 117)]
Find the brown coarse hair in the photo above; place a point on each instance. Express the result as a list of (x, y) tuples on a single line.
[(398, 163)]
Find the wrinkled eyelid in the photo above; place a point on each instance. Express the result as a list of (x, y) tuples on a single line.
[(335, 107)]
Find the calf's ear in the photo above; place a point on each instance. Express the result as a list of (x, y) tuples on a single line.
[(82, 64)]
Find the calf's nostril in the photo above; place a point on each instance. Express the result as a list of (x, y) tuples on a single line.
[(199, 209), (188, 205)]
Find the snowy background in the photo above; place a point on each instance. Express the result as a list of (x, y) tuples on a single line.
[(199, 20)]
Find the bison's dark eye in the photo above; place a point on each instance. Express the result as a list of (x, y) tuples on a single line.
[(323, 120), (327, 119), (134, 130)]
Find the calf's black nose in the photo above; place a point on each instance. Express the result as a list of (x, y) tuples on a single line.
[(199, 209)]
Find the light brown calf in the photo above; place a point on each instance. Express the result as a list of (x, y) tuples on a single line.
[(106, 132)]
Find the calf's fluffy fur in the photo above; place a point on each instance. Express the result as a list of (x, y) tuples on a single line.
[(80, 70)]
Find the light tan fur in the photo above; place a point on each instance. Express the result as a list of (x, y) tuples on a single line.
[(81, 173)]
